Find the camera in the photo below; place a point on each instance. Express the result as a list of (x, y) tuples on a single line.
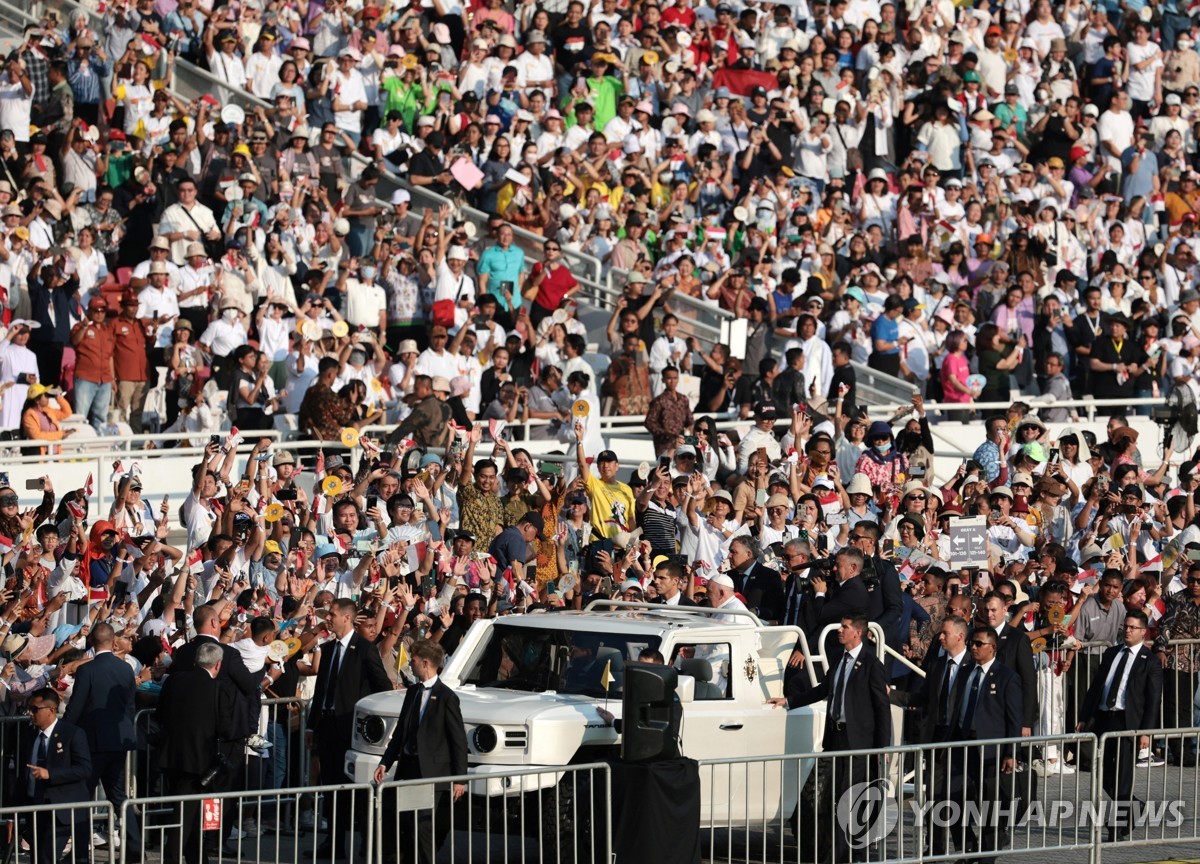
[(221, 766)]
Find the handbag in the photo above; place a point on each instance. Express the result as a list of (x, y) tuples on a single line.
[(214, 249), (443, 313)]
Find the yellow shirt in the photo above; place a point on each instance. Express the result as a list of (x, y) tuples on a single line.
[(612, 506)]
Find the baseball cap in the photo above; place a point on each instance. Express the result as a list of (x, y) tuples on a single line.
[(607, 456)]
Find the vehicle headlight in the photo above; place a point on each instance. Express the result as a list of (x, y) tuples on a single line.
[(484, 739), (371, 728)]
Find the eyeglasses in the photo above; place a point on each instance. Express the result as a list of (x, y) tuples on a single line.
[(551, 248), (1134, 627), (979, 643), (1192, 580), (916, 496), (33, 709)]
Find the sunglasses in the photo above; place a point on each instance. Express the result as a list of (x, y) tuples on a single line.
[(979, 643), (8, 501)]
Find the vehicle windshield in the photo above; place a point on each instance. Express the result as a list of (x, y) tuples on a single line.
[(566, 661)]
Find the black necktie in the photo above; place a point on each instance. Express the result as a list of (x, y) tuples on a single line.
[(39, 761), (967, 719), (839, 688), (331, 681), (946, 699), (1114, 686)]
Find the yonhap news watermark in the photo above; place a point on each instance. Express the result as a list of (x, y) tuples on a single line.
[(869, 812)]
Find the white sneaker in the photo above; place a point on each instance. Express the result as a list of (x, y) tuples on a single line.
[(249, 828), (1147, 759), (1039, 767), (1064, 768), (1051, 767), (99, 841), (258, 742)]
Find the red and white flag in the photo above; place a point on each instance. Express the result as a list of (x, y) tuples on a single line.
[(89, 487), (6, 544), (195, 563), (1156, 610)]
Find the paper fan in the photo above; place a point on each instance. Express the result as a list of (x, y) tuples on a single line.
[(331, 485), (233, 115), (274, 512), (340, 329), (311, 331), (643, 470), (1038, 645), (277, 651), (376, 385), (976, 382), (349, 436), (293, 644), (581, 408)]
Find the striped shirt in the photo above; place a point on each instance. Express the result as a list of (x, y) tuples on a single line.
[(85, 79), (658, 528)]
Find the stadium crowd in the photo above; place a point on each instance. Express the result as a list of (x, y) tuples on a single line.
[(990, 203)]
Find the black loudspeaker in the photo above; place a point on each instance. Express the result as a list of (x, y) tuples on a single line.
[(651, 713)]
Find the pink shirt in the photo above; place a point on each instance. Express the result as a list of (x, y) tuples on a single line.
[(955, 367)]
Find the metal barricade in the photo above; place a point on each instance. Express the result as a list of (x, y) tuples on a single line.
[(966, 798), (15, 733), (1143, 798), (519, 815), (48, 833), (266, 825)]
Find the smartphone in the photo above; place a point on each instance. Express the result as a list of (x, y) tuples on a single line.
[(286, 495), (550, 469), (955, 589), (215, 440), (664, 462), (917, 471), (1054, 454), (36, 483), (507, 286), (691, 440), (362, 545), (606, 585), (1192, 554), (371, 502)]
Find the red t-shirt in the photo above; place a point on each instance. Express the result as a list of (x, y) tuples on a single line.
[(129, 355), (93, 355), (554, 287)]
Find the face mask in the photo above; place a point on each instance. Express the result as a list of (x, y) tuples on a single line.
[(884, 448), (230, 315), (889, 274), (357, 358), (368, 274)]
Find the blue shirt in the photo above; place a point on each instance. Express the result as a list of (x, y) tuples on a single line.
[(509, 546), (1140, 182), (501, 265), (85, 83), (987, 455), (884, 329)]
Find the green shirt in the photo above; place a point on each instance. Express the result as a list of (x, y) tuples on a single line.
[(606, 93)]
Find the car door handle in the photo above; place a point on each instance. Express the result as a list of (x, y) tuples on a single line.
[(730, 727)]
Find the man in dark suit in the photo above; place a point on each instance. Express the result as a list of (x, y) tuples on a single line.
[(668, 579), (936, 696), (102, 704), (1125, 695), (762, 586), (858, 716), (429, 741), (349, 669), (56, 767), (1014, 651), (234, 675), (989, 707), (194, 714)]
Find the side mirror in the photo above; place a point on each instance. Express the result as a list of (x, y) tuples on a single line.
[(686, 688)]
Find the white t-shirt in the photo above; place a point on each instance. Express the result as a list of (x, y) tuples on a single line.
[(1141, 81), (15, 105)]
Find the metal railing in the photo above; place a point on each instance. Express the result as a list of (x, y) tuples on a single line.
[(510, 815), (269, 825), (1162, 806), (59, 832)]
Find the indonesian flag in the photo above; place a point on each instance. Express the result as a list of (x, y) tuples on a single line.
[(340, 542), (1156, 610), (195, 563), (1086, 577), (496, 428), (743, 81), (415, 554), (89, 486), (320, 504), (908, 571), (117, 474), (6, 544)]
